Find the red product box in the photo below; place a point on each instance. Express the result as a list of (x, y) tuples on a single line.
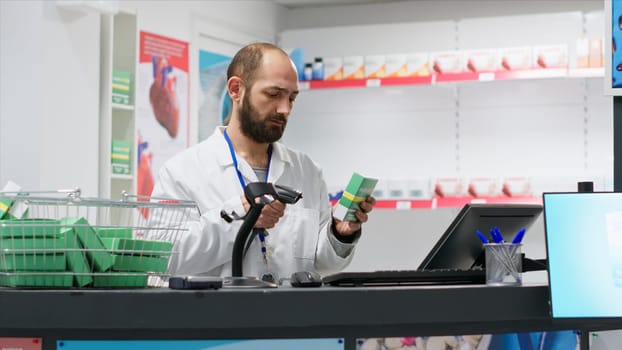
[(446, 62), (487, 60), (550, 56), (513, 58)]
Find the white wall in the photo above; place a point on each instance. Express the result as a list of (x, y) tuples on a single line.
[(557, 128), (407, 11), (49, 96), (49, 80)]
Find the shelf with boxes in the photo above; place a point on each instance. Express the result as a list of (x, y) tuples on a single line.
[(512, 63), (544, 73), (117, 115), (450, 202), (452, 192)]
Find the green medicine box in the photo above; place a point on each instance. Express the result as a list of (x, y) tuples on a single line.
[(121, 82), (43, 280), (28, 228), (120, 280), (138, 246), (5, 204), (120, 157), (77, 261), (42, 245), (137, 263), (33, 262), (97, 254), (114, 232)]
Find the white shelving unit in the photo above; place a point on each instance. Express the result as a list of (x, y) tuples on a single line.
[(119, 50)]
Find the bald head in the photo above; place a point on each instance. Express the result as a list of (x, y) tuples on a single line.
[(247, 62)]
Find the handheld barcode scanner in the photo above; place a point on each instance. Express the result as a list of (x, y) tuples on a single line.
[(258, 195)]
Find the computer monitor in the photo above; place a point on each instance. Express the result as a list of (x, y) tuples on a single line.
[(460, 248), (584, 250)]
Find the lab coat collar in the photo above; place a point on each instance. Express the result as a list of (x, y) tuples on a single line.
[(280, 157)]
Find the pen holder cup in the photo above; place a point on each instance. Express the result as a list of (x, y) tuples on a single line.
[(503, 264)]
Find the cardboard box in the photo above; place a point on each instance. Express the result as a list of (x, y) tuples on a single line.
[(5, 204), (596, 53), (31, 243), (583, 53), (357, 190), (77, 261), (120, 280), (121, 81), (375, 66), (33, 262), (514, 58), (446, 62), (353, 67), (29, 228), (99, 258), (138, 246), (139, 263), (333, 68), (395, 66), (486, 60), (550, 56), (483, 186), (114, 232), (449, 187), (417, 65), (10, 209), (120, 157), (36, 280)]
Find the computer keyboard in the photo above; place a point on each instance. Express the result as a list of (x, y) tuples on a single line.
[(407, 277)]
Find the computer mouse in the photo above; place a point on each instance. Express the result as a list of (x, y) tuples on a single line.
[(305, 279)]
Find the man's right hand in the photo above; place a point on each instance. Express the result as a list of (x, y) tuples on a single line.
[(270, 213)]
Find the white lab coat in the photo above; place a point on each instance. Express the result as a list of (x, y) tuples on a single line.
[(301, 240)]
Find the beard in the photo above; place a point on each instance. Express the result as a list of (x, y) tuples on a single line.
[(260, 129)]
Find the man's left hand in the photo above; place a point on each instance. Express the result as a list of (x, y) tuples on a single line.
[(347, 228)]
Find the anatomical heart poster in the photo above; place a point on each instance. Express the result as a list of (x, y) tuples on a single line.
[(162, 97)]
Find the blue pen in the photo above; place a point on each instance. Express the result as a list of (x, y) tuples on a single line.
[(481, 237), (499, 235), (519, 236), (495, 236)]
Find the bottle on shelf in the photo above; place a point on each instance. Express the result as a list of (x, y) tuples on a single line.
[(318, 69), (307, 73)]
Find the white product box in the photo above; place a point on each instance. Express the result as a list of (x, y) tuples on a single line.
[(417, 65), (333, 68), (484, 186), (395, 66), (550, 56), (353, 67), (446, 62), (583, 53), (449, 187), (513, 58), (374, 66), (596, 54), (485, 60), (516, 186)]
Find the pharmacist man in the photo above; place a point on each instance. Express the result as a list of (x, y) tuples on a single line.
[(263, 85)]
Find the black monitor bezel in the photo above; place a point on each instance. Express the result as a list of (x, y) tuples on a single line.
[(459, 237)]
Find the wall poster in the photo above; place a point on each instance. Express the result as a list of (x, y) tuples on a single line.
[(162, 100), (214, 102)]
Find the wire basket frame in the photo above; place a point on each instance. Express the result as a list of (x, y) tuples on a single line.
[(61, 239)]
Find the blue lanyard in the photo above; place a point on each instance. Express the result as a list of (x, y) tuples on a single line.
[(261, 232), (235, 161)]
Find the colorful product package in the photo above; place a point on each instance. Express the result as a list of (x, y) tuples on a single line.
[(358, 189), (353, 67)]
